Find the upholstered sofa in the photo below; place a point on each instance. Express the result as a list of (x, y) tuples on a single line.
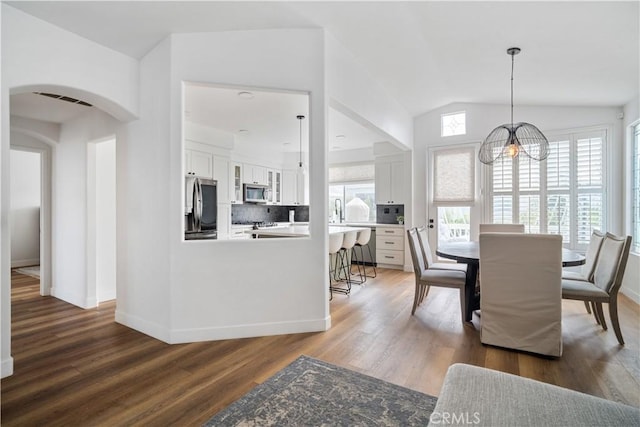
[(484, 397)]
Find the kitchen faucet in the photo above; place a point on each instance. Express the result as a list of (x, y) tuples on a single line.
[(338, 209)]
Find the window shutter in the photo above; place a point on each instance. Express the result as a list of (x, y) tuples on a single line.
[(352, 173), (454, 175), (589, 182)]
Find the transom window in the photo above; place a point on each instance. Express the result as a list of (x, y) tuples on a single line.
[(563, 195), (453, 124)]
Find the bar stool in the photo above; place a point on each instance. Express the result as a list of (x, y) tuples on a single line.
[(348, 242), (335, 243), (363, 240)]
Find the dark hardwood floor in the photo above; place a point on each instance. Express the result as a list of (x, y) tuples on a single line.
[(79, 367)]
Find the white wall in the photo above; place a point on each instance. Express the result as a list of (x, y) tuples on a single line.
[(39, 56), (355, 93), (143, 203), (105, 218), (26, 140), (6, 361), (42, 55), (181, 291), (70, 210), (25, 208), (631, 282)]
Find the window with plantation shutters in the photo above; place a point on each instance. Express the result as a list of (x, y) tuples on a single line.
[(564, 194), (589, 187)]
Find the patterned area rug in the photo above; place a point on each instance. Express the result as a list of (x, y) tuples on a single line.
[(33, 271), (311, 392)]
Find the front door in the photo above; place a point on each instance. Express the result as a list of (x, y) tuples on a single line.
[(454, 209)]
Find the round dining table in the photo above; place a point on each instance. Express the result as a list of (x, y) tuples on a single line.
[(469, 253)]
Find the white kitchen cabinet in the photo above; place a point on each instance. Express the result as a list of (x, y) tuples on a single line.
[(390, 246), (254, 174), (235, 183), (290, 193), (238, 232), (224, 221), (198, 163), (274, 182), (389, 183), (277, 196), (221, 175)]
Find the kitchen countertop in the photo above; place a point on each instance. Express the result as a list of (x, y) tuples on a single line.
[(372, 224), (299, 230)]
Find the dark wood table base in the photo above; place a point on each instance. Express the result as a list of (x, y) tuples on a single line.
[(472, 297)]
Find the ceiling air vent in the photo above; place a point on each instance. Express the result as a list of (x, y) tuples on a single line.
[(64, 98)]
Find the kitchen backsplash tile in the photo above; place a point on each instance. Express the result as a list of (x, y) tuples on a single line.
[(249, 213), (388, 214)]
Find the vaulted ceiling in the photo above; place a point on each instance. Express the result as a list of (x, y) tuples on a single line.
[(426, 54)]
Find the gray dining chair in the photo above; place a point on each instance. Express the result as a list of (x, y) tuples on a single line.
[(589, 266), (607, 279), (426, 277), (521, 302), (427, 255)]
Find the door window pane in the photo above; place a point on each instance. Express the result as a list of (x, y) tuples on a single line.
[(454, 224)]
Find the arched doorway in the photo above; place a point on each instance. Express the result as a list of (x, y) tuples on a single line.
[(68, 151)]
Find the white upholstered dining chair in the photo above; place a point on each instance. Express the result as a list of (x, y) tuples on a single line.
[(426, 277), (521, 299), (501, 228), (607, 279)]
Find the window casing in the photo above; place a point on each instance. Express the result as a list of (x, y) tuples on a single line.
[(452, 124), (564, 194), (347, 182), (635, 190)]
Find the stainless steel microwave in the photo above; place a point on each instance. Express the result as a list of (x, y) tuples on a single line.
[(256, 193)]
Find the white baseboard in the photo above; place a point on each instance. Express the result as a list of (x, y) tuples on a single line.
[(76, 300), (390, 266), (25, 262), (152, 329), (181, 336), (107, 296), (633, 295), (6, 368)]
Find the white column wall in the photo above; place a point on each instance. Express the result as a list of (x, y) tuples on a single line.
[(70, 228), (6, 361), (143, 189), (231, 289), (36, 56), (631, 282)]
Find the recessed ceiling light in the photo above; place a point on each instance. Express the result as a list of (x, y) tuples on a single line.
[(340, 136), (243, 131), (245, 95)]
